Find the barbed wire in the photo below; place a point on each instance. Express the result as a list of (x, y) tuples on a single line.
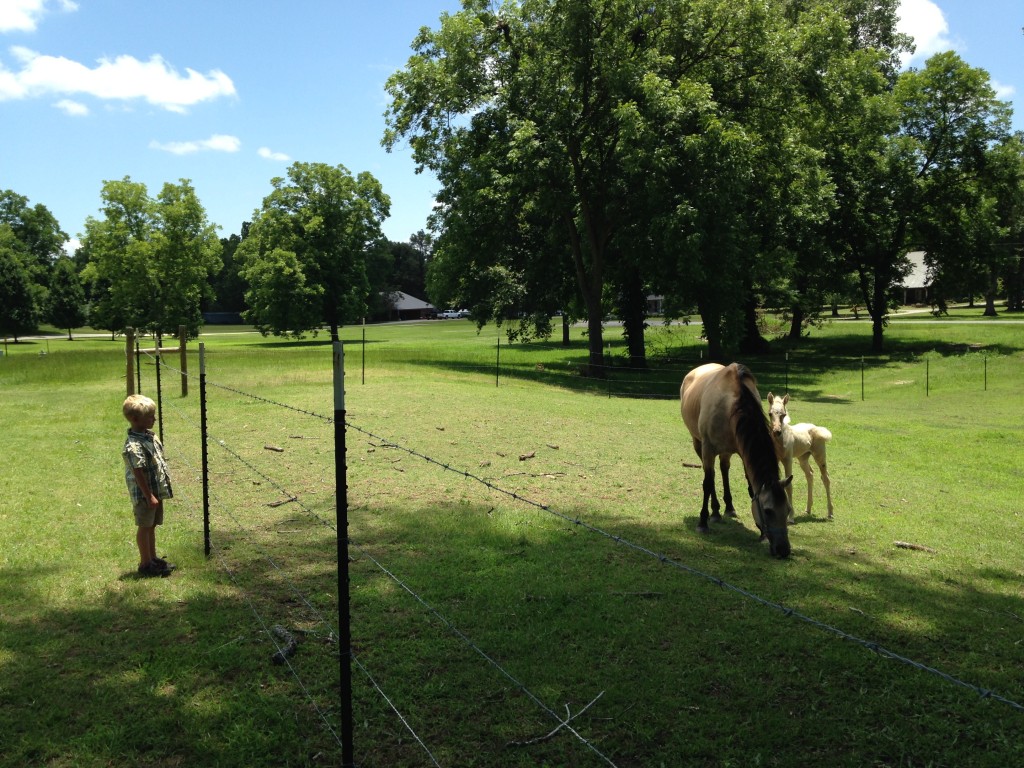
[(476, 649), (279, 650), (446, 622), (301, 596), (984, 693)]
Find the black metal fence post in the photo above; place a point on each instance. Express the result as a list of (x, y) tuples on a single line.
[(206, 457), (159, 391), (344, 619)]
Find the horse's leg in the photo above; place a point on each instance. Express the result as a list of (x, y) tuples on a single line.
[(709, 493), (820, 460), (723, 464), (805, 465), (787, 465), (709, 480)]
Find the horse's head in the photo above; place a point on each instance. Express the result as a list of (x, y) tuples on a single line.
[(772, 509), (777, 414)]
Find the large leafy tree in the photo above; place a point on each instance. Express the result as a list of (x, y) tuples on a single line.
[(305, 256), (34, 239), (37, 229), (19, 311), (65, 306), (924, 140), (632, 147), (149, 259), (514, 110)]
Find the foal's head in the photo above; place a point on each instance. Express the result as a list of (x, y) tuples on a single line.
[(777, 413)]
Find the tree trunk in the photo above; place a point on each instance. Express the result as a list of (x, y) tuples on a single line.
[(752, 343), (565, 330), (712, 329), (796, 322), (878, 309), (634, 309), (990, 294)]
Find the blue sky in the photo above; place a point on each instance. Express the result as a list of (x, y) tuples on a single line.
[(229, 93)]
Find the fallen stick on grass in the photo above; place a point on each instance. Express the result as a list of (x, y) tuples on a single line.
[(908, 545)]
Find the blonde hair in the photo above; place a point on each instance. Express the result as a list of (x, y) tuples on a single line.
[(137, 405)]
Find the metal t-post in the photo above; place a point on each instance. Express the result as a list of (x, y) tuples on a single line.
[(344, 620)]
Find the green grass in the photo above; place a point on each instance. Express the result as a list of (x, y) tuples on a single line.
[(99, 668)]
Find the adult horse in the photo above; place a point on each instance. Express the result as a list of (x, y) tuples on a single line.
[(722, 409)]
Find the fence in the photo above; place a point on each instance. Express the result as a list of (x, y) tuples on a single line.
[(338, 635)]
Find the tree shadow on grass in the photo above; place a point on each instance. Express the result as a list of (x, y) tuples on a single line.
[(139, 680), (677, 667)]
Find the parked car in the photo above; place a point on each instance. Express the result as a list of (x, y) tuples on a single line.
[(453, 314)]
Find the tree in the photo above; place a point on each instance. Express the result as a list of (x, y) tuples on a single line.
[(318, 225), (37, 229), (631, 147), (35, 236), (227, 288), (149, 259), (18, 306), (66, 302), (515, 111)]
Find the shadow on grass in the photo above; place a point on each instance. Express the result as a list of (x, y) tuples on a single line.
[(679, 669), (138, 680)]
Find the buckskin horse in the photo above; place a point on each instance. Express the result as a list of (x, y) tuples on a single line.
[(721, 408)]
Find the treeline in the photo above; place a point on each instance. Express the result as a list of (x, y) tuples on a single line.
[(313, 256), (729, 156)]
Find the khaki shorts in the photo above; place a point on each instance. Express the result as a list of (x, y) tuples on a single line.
[(146, 516)]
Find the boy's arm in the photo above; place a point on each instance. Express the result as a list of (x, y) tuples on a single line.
[(143, 482)]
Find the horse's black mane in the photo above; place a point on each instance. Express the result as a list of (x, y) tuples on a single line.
[(753, 433)]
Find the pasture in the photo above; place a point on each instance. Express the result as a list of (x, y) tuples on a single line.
[(485, 619)]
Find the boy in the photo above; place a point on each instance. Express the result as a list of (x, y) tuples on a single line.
[(149, 483)]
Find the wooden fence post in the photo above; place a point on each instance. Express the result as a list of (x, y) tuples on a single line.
[(129, 355)]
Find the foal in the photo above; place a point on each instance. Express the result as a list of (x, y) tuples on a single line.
[(799, 441)]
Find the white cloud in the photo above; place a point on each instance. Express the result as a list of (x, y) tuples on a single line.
[(24, 15), (1003, 92), (71, 245), (267, 154), (73, 108), (124, 78), (216, 143), (924, 21)]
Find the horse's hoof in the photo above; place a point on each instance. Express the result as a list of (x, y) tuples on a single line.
[(716, 517), (730, 513), (791, 519), (702, 529)]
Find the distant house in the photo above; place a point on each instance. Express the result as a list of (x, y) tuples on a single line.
[(916, 283), (402, 306)]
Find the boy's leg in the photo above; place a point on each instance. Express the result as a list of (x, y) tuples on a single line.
[(145, 539)]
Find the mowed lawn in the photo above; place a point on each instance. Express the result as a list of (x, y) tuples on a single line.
[(523, 551)]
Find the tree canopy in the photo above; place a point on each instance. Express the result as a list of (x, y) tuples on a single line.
[(305, 256), (592, 151), (149, 259)]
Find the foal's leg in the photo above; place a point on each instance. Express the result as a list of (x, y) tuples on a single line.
[(819, 458), (723, 465)]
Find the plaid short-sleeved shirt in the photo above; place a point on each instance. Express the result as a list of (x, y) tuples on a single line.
[(143, 450)]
